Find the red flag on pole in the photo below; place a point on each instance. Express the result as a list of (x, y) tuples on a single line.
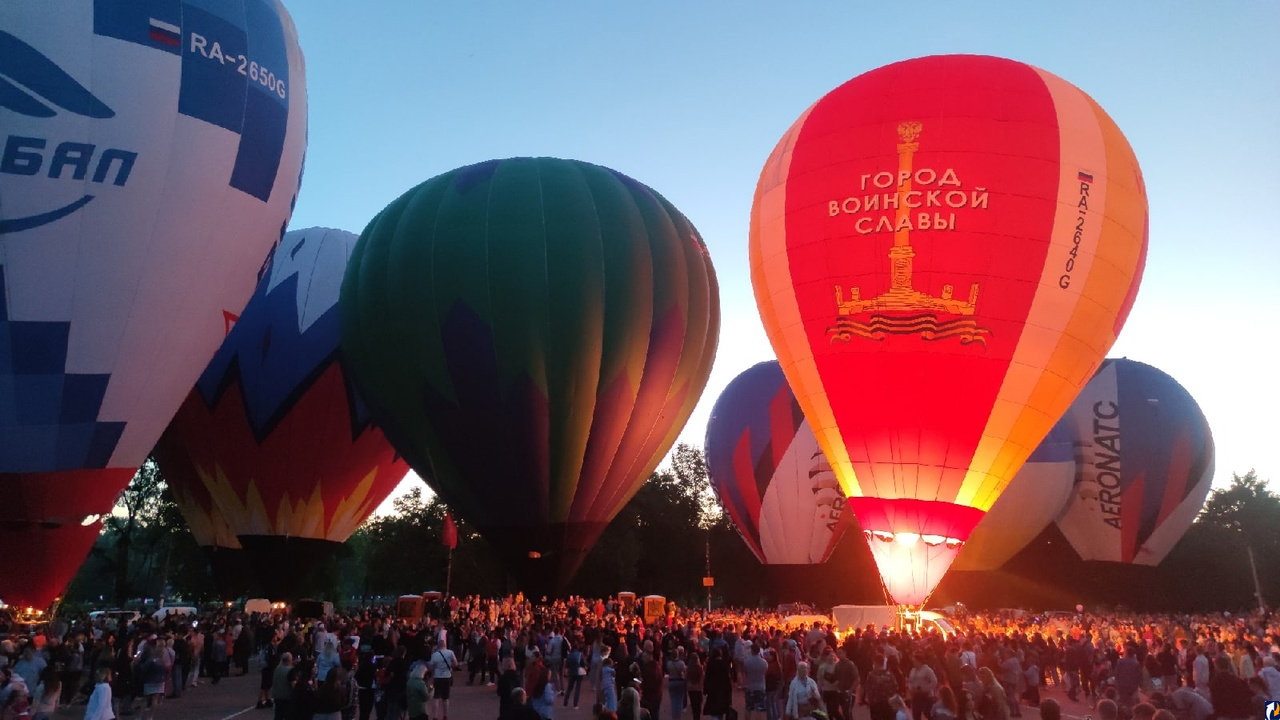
[(449, 536)]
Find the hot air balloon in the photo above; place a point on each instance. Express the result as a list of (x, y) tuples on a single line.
[(210, 530), (532, 333), (151, 156), (942, 251), (769, 474), (274, 428), (1033, 499), (1146, 463)]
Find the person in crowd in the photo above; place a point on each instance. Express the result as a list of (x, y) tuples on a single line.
[(443, 663), (575, 673), (803, 696), (899, 707), (515, 705), (922, 682), (946, 708), (1230, 695), (993, 703), (282, 678), (694, 684), (330, 697), (508, 682), (151, 674), (629, 707), (677, 681), (100, 705), (1050, 710), (543, 697), (416, 696), (303, 706), (717, 685)]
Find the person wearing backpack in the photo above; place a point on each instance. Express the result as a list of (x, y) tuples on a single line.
[(878, 688)]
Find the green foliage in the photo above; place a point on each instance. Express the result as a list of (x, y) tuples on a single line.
[(145, 547), (1248, 507)]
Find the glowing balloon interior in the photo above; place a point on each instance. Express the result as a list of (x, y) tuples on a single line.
[(532, 333), (1145, 467), (942, 251), (151, 156), (769, 473)]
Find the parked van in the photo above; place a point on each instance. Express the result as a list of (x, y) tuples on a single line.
[(174, 611)]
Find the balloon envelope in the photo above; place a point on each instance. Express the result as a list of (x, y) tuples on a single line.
[(942, 250), (769, 474), (274, 429), (532, 333), (1033, 499), (1146, 463), (208, 527), (144, 180)]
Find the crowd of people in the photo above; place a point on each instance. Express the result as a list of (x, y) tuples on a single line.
[(601, 656)]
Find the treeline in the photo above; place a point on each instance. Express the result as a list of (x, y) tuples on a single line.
[(660, 542)]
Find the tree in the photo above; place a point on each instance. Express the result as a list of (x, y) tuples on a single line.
[(138, 508), (1248, 512), (1248, 506)]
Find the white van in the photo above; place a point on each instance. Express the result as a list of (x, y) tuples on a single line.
[(174, 611), (115, 619)]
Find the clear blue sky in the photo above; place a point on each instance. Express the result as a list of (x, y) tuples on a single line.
[(690, 97)]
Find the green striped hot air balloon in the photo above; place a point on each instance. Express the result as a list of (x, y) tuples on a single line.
[(532, 334)]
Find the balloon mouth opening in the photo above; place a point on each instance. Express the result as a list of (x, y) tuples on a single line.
[(910, 539)]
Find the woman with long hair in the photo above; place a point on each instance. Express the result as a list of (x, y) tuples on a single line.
[(994, 703), (946, 708), (48, 694), (694, 677), (329, 696), (543, 696)]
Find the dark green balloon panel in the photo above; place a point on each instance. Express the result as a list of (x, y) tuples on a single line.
[(532, 335)]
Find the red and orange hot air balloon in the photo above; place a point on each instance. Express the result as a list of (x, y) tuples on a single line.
[(942, 251), (275, 430)]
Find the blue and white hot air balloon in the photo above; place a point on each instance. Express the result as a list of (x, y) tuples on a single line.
[(1035, 496), (150, 156)]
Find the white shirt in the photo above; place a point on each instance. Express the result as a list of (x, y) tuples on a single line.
[(442, 662), (99, 706), (801, 691)]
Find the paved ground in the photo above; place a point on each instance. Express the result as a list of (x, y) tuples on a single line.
[(234, 697)]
